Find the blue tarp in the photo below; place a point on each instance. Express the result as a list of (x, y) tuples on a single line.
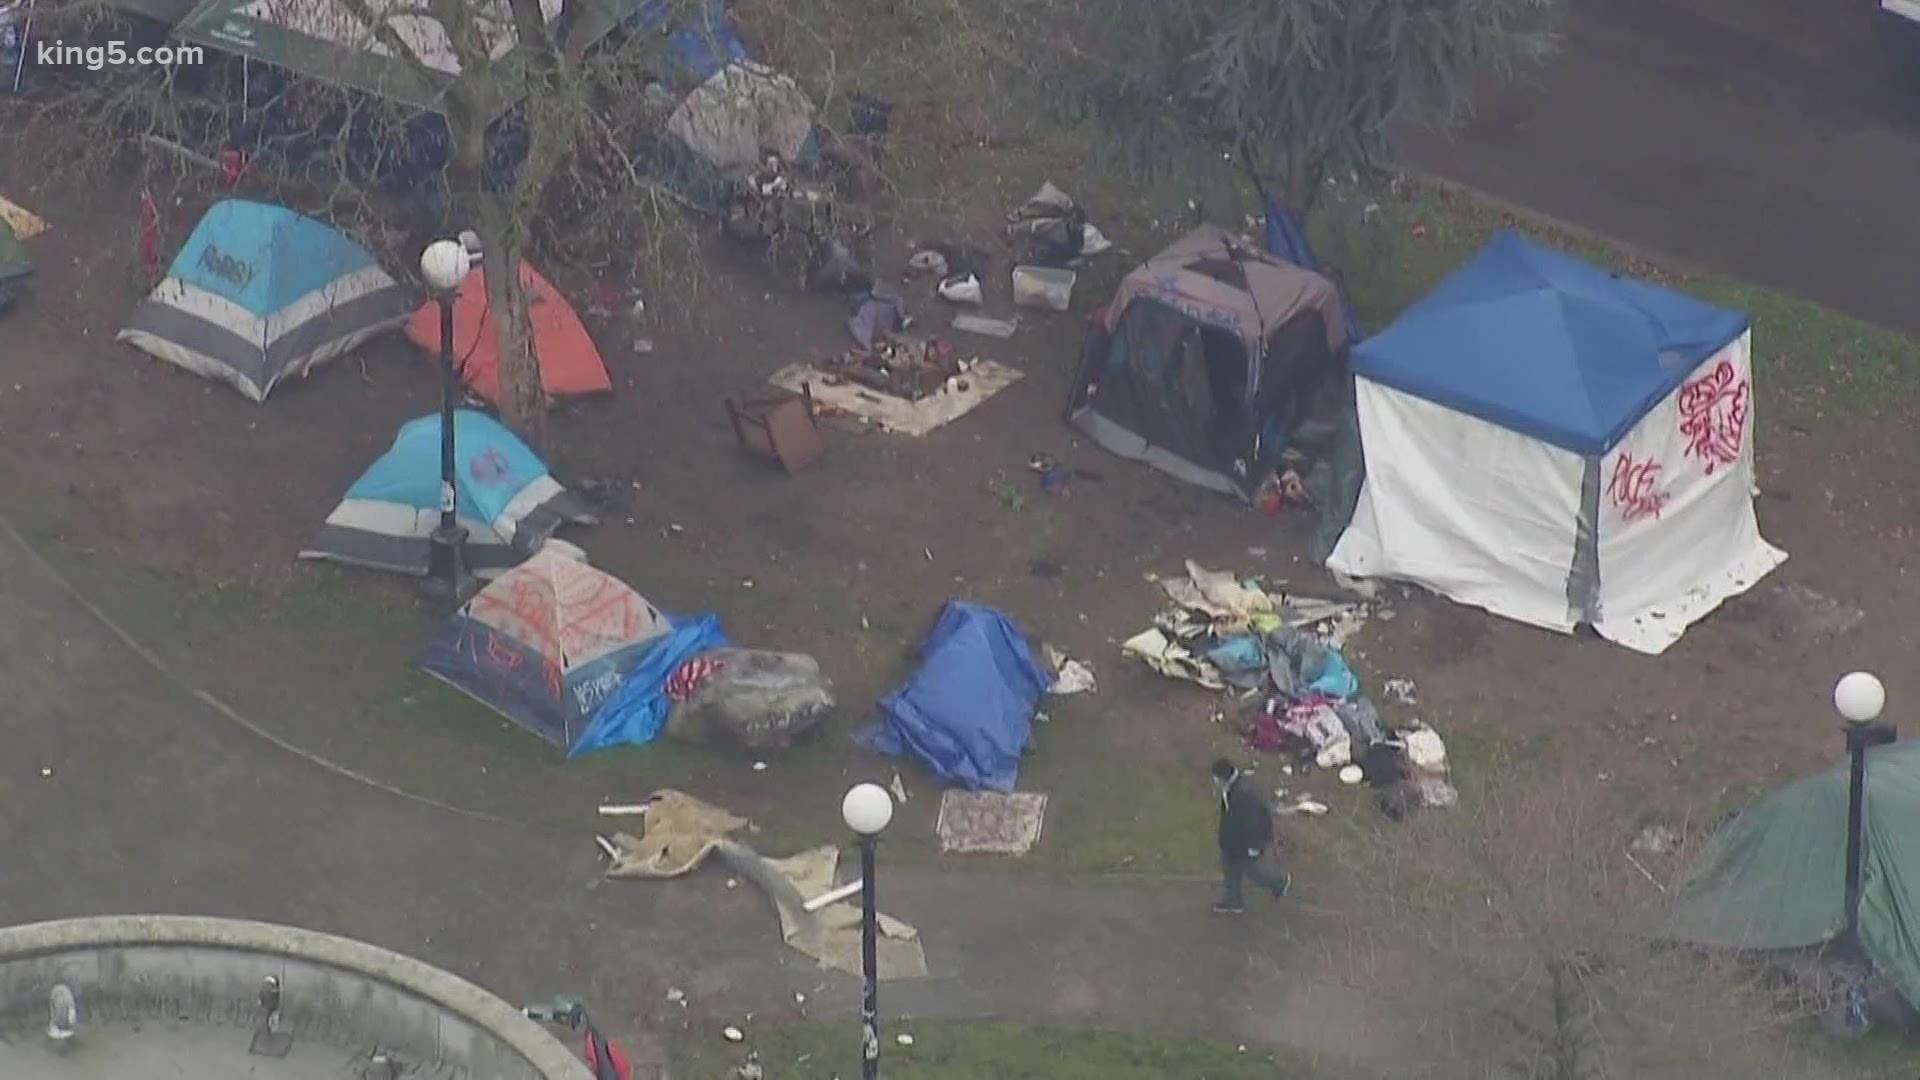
[(1546, 345), (703, 42), (966, 714), (635, 713)]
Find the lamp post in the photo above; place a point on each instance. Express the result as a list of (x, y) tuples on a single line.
[(867, 809), (442, 266), (1859, 697)]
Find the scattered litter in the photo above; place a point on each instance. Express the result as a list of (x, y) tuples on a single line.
[(1655, 840), (759, 766), (46, 772), (1352, 774), (24, 223), (733, 1034), (624, 810), (899, 789), (984, 379), (962, 290), (1425, 750), (642, 346), (928, 262), (677, 996), (1070, 675), (733, 883), (1074, 677), (799, 998), (1050, 230), (904, 1039), (1257, 552), (1309, 807), (749, 1070), (683, 831), (1400, 691), (980, 324), (990, 822)]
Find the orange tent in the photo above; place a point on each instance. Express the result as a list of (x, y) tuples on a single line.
[(569, 363)]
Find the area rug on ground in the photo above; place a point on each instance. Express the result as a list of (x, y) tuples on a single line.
[(890, 413), (991, 822), (679, 833)]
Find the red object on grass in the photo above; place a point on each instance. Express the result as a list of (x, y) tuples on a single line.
[(614, 1067), (233, 165)]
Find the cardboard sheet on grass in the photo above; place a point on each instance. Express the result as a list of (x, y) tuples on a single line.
[(25, 224), (682, 831), (891, 413)]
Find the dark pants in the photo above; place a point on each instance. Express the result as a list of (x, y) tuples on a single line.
[(1238, 868)]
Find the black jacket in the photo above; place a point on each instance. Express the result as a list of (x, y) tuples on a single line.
[(1246, 823)]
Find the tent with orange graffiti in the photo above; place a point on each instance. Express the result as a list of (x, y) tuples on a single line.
[(1560, 445), (546, 643), (570, 364)]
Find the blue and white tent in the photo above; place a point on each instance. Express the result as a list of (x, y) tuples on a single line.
[(507, 501), (1560, 445), (260, 292)]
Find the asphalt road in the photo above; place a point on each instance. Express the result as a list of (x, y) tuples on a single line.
[(1768, 139)]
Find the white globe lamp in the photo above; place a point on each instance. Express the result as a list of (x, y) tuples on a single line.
[(867, 809), (1859, 696), (444, 264)]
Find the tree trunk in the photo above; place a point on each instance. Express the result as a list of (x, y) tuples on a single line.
[(522, 400)]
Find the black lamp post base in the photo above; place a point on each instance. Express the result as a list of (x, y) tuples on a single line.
[(447, 575)]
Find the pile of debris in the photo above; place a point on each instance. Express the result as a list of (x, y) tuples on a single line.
[(1280, 655), (904, 367)]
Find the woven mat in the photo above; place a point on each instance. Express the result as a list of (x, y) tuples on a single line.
[(990, 822)]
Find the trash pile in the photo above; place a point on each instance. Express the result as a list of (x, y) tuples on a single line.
[(904, 367), (1050, 229), (1280, 654)]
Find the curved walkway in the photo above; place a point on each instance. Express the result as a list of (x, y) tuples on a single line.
[(123, 791)]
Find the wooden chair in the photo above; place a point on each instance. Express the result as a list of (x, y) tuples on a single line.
[(782, 428)]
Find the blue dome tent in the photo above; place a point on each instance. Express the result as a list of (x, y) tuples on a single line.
[(259, 292)]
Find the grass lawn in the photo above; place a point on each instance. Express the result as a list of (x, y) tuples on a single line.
[(325, 663), (952, 1051)]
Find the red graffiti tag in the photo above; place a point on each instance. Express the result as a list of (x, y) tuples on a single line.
[(488, 468), (1633, 488), (1713, 416)]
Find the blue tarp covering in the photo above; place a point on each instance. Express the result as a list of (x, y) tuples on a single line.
[(967, 712), (703, 42), (635, 713), (1546, 345)]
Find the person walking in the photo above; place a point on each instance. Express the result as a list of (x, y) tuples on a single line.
[(1246, 832)]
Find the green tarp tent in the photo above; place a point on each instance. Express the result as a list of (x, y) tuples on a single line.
[(323, 39), (1775, 876), (13, 255)]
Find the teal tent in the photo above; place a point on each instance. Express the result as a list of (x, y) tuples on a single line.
[(1774, 877)]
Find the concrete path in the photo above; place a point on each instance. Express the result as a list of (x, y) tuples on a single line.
[(121, 791), (1768, 139)]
